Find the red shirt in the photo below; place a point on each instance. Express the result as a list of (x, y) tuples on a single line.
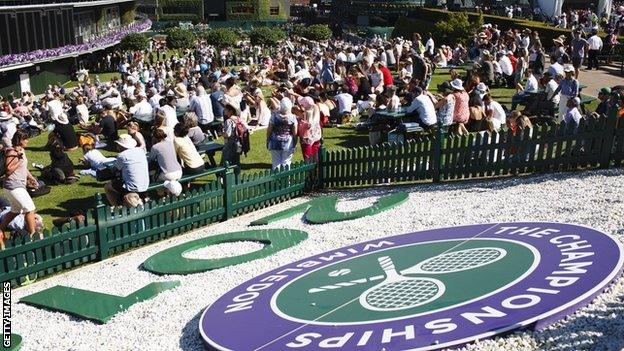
[(387, 76), (514, 61)]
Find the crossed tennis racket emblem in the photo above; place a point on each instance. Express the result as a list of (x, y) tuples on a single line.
[(399, 292)]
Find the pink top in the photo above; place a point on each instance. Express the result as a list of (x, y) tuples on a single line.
[(462, 111)]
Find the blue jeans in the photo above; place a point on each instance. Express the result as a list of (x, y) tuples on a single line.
[(518, 98)]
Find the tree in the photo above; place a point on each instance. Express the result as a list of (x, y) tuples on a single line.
[(266, 36), (180, 38), (134, 42), (221, 37), (457, 28), (318, 32)]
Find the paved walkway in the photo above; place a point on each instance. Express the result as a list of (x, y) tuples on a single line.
[(607, 76)]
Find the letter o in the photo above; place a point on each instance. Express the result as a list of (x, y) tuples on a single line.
[(172, 261), (533, 300)]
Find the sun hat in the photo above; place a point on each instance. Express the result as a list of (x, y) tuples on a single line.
[(305, 101), (4, 116), (62, 118), (286, 105), (457, 84), (482, 88), (568, 68), (126, 141), (577, 101), (174, 187), (180, 91)]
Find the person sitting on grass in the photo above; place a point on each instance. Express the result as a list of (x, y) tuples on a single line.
[(61, 168), (17, 178), (18, 225), (132, 164), (94, 159)]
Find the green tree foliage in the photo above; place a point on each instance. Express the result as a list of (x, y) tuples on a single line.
[(266, 36), (134, 42), (221, 37), (457, 28), (180, 38), (317, 32)]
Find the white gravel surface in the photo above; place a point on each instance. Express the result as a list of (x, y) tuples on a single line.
[(170, 320)]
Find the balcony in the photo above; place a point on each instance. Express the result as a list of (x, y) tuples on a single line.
[(21, 4), (12, 61)]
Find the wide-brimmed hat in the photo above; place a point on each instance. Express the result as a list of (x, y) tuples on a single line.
[(62, 118), (457, 84), (482, 35), (482, 88), (4, 116), (558, 41), (126, 141), (180, 91), (568, 68)]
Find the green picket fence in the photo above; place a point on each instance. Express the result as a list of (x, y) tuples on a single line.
[(108, 231), (595, 143), (24, 260), (387, 163)]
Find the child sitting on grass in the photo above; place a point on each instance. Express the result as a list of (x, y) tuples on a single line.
[(94, 159)]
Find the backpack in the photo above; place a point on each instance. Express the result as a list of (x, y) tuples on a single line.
[(242, 138), (2, 163)]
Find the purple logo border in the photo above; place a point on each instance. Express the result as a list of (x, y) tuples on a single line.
[(603, 242)]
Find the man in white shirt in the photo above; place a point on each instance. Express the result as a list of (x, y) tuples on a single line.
[(551, 89), (573, 116), (154, 98), (202, 106), (142, 110), (595, 47), (507, 68), (55, 107), (531, 87), (171, 117), (423, 105), (430, 46), (494, 112), (341, 56), (344, 101)]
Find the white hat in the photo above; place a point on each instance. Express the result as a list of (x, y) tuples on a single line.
[(4, 116), (62, 118), (174, 187), (457, 84), (481, 87), (568, 68), (126, 141), (577, 101)]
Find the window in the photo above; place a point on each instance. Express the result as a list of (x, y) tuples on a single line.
[(274, 11), (242, 10)]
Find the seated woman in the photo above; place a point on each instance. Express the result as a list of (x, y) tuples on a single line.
[(65, 132), (195, 132), (61, 168), (261, 112), (164, 154), (190, 159)]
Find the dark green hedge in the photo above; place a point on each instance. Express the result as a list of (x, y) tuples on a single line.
[(421, 20)]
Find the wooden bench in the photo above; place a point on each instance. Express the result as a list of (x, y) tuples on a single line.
[(209, 149), (187, 178)]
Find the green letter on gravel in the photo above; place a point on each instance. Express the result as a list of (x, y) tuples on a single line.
[(323, 210), (171, 261), (93, 305)]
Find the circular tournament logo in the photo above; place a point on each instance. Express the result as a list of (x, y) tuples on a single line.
[(419, 291)]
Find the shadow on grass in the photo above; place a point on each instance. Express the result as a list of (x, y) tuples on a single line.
[(87, 203)]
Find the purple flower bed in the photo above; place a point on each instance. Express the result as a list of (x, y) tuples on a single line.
[(106, 40)]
